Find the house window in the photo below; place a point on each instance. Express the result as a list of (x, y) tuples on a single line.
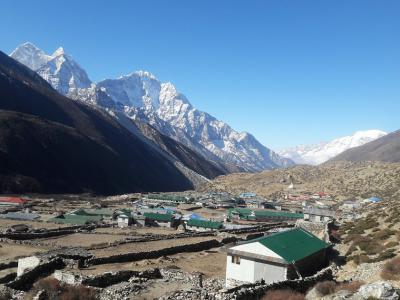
[(235, 259)]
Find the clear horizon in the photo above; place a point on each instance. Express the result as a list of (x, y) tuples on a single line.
[(288, 73)]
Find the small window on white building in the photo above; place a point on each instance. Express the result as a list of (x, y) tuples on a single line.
[(235, 259)]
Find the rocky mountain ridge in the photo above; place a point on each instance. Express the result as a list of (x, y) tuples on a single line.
[(141, 96), (322, 152)]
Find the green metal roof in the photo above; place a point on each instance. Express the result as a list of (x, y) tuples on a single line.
[(76, 219), (159, 217), (174, 198), (293, 245), (124, 211), (245, 213), (93, 212), (204, 224)]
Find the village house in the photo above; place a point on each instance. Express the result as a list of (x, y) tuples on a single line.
[(320, 195), (203, 225), (277, 257), (262, 215), (76, 219), (167, 199), (161, 219), (124, 218), (20, 216), (372, 200), (350, 205), (247, 195), (316, 214), (12, 201), (255, 203)]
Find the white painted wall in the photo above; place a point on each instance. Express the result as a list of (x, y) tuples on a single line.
[(270, 273), (241, 272), (199, 229), (27, 263), (250, 270)]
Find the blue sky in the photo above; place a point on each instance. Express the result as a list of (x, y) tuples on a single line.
[(289, 72)]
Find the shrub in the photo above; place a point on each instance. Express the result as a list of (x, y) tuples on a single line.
[(283, 295), (5, 295), (78, 293), (391, 244), (383, 234), (55, 290), (351, 286), (325, 287), (50, 285), (359, 259), (391, 269), (384, 256)]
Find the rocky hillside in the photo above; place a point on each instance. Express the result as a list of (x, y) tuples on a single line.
[(343, 179), (52, 144), (141, 96), (386, 148)]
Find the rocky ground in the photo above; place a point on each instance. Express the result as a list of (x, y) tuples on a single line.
[(342, 179)]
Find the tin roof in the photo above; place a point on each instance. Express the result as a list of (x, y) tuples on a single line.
[(21, 216), (204, 223), (159, 217), (76, 219), (293, 245), (246, 213), (13, 200)]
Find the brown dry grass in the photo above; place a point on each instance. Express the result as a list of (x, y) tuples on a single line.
[(283, 295), (54, 290), (351, 286), (391, 269), (325, 288)]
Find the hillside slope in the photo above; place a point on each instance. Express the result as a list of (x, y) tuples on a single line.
[(386, 148), (322, 152), (141, 96), (59, 145), (342, 179)]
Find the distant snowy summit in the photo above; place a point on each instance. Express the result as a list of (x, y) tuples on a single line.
[(322, 152), (141, 96)]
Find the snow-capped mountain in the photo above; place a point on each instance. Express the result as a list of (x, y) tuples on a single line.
[(141, 96), (59, 69), (322, 152)]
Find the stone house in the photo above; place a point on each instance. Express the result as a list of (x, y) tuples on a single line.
[(277, 257), (316, 214)]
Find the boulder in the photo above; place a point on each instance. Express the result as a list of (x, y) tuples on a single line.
[(380, 290)]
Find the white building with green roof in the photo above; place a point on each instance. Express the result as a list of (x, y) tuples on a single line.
[(277, 257)]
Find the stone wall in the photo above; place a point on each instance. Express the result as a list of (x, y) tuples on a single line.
[(257, 291), (35, 235), (7, 278), (134, 256), (107, 279), (26, 280), (8, 265)]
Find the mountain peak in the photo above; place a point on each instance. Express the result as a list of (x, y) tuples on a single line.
[(58, 52), (59, 69), (322, 152), (141, 96), (30, 55), (29, 45)]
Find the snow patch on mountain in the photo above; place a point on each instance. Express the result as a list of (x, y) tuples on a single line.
[(319, 153)]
